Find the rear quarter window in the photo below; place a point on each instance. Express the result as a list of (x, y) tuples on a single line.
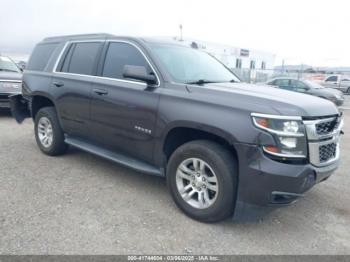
[(41, 56)]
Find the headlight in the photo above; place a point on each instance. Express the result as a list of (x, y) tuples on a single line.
[(288, 132)]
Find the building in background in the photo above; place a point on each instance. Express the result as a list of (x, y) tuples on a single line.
[(249, 64)]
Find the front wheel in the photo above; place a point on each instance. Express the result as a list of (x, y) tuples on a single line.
[(202, 178)]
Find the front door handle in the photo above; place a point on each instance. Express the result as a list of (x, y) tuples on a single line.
[(100, 92), (58, 83)]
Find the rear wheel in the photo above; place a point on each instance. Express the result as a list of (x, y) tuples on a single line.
[(202, 178), (348, 91), (48, 133)]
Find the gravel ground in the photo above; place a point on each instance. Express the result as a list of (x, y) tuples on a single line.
[(82, 204)]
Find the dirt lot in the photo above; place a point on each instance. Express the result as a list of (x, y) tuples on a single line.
[(82, 204)]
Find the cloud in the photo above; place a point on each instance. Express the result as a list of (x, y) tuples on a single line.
[(297, 31)]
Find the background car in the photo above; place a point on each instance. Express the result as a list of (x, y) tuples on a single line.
[(308, 87), (339, 82), (10, 81)]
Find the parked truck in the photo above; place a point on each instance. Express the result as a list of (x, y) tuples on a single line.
[(10, 81), (169, 110), (340, 82)]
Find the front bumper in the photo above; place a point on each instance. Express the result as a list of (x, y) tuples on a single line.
[(266, 182), (5, 100)]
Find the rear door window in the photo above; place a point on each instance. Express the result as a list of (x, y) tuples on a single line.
[(81, 58), (284, 84)]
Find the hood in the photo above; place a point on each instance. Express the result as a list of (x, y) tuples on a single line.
[(328, 91), (10, 76), (263, 99)]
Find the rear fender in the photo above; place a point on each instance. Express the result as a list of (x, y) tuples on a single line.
[(19, 108)]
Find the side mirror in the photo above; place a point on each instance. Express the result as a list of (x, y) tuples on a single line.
[(138, 73)]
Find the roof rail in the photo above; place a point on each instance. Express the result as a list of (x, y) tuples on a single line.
[(69, 37)]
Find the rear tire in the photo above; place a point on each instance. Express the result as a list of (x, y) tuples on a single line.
[(48, 132), (202, 177)]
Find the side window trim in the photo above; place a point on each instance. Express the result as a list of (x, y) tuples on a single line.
[(100, 60), (67, 55)]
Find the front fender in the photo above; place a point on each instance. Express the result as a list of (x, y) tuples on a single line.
[(201, 127)]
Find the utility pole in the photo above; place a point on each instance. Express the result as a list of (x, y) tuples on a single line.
[(181, 39)]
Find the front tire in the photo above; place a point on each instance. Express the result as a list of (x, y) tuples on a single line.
[(48, 133), (202, 177)]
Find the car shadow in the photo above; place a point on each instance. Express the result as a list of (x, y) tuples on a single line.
[(158, 185)]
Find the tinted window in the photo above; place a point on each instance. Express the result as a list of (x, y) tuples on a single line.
[(65, 63), (332, 79), (284, 84), (81, 58), (40, 56), (121, 54)]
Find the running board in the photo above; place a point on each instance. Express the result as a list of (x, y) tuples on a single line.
[(115, 157)]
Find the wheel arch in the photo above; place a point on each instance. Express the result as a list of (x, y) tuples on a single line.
[(39, 100), (182, 132)]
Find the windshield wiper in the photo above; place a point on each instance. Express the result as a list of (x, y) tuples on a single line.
[(200, 82)]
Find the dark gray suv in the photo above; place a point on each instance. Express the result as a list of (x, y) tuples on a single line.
[(169, 110)]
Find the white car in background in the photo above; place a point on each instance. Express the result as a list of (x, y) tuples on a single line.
[(339, 82)]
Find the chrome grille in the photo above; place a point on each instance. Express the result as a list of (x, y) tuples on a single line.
[(323, 139), (326, 127), (327, 152)]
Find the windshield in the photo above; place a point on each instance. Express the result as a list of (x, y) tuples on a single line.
[(188, 65), (313, 84), (6, 64)]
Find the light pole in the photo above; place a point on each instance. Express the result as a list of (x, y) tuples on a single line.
[(180, 32)]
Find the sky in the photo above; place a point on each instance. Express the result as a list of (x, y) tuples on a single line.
[(311, 32)]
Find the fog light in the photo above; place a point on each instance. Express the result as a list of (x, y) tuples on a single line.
[(288, 142)]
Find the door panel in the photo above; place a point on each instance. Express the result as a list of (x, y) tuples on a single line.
[(73, 95), (123, 116), (71, 85)]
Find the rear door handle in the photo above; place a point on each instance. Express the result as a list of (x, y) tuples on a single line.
[(58, 83), (100, 92)]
